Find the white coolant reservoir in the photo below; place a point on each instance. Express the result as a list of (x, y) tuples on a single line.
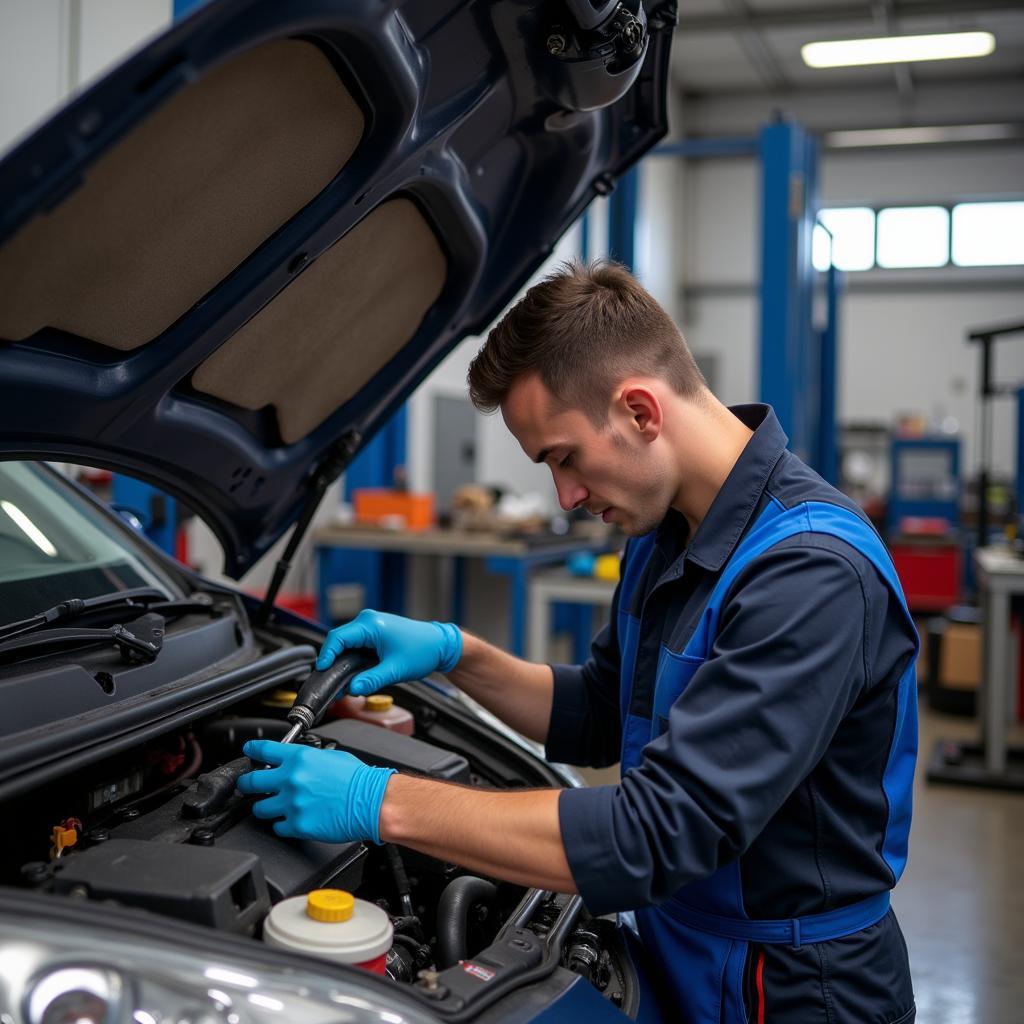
[(332, 924)]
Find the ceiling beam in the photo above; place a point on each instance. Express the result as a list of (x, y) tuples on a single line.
[(756, 49), (691, 94), (968, 101), (786, 17), (885, 15)]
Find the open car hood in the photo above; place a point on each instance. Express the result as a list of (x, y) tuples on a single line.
[(225, 265)]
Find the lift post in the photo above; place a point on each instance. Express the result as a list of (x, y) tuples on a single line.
[(788, 177), (798, 359)]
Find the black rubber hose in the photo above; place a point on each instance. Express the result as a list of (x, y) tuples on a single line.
[(212, 791), (458, 898), (402, 886)]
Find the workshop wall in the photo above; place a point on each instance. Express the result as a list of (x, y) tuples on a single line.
[(33, 72), (902, 341), (659, 229)]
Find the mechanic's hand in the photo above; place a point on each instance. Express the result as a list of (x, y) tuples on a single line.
[(407, 648), (329, 795)]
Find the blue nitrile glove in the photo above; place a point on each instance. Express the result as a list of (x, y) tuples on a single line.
[(407, 648), (329, 795)]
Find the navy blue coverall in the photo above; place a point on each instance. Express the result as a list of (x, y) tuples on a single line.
[(756, 681)]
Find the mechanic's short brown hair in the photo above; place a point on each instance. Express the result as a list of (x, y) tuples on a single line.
[(583, 329)]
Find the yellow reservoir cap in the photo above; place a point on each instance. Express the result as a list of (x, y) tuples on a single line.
[(378, 702), (330, 905), (279, 698)]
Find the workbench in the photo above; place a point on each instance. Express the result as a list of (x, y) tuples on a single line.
[(1000, 578), (552, 585), (513, 556)]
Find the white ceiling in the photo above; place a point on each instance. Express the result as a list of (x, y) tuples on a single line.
[(745, 54)]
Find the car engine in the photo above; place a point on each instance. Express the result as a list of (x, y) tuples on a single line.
[(161, 827)]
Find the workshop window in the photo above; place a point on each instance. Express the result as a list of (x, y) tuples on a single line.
[(913, 236), (988, 234), (853, 238)]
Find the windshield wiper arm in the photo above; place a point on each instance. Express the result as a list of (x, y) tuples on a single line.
[(140, 640), (139, 597)]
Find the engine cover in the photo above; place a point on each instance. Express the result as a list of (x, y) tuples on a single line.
[(221, 888)]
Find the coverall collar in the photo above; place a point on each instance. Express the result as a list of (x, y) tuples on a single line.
[(735, 504)]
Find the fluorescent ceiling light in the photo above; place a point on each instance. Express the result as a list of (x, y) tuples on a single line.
[(864, 137), (897, 49)]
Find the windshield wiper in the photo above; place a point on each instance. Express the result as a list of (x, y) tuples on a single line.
[(137, 641), (138, 599)]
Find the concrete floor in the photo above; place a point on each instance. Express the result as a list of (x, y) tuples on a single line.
[(961, 899)]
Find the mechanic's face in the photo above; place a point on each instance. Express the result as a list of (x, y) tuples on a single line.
[(612, 471)]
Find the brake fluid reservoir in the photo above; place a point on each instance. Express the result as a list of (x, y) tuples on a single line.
[(332, 924), (377, 709), (381, 709), (345, 707)]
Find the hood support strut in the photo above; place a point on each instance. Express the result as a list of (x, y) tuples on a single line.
[(332, 466)]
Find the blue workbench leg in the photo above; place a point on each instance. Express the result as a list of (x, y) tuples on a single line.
[(325, 571), (458, 590), (582, 631), (392, 581), (517, 612)]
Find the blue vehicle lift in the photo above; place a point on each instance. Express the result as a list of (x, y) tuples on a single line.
[(182, 7), (798, 357), (155, 510), (622, 208)]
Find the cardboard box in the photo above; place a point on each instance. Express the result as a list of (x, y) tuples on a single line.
[(921, 625), (960, 656)]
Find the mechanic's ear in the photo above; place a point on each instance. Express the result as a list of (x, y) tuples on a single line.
[(643, 409)]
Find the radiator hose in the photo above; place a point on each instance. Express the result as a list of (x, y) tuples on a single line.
[(458, 898)]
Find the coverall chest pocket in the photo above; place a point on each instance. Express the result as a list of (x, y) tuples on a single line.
[(674, 674)]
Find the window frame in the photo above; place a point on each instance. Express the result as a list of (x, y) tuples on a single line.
[(918, 206), (948, 206), (979, 202)]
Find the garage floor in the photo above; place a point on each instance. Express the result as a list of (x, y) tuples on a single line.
[(961, 899)]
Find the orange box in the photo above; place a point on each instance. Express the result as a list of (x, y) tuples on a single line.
[(377, 504)]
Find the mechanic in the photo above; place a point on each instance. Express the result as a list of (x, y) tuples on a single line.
[(756, 680)]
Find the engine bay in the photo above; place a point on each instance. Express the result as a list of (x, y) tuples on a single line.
[(160, 827)]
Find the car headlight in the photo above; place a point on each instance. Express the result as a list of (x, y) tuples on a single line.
[(81, 994), (60, 968)]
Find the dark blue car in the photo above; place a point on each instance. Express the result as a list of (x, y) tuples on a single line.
[(222, 269)]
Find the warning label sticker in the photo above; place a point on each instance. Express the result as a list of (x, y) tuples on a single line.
[(483, 973)]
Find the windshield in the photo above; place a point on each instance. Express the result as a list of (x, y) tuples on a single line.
[(56, 545)]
